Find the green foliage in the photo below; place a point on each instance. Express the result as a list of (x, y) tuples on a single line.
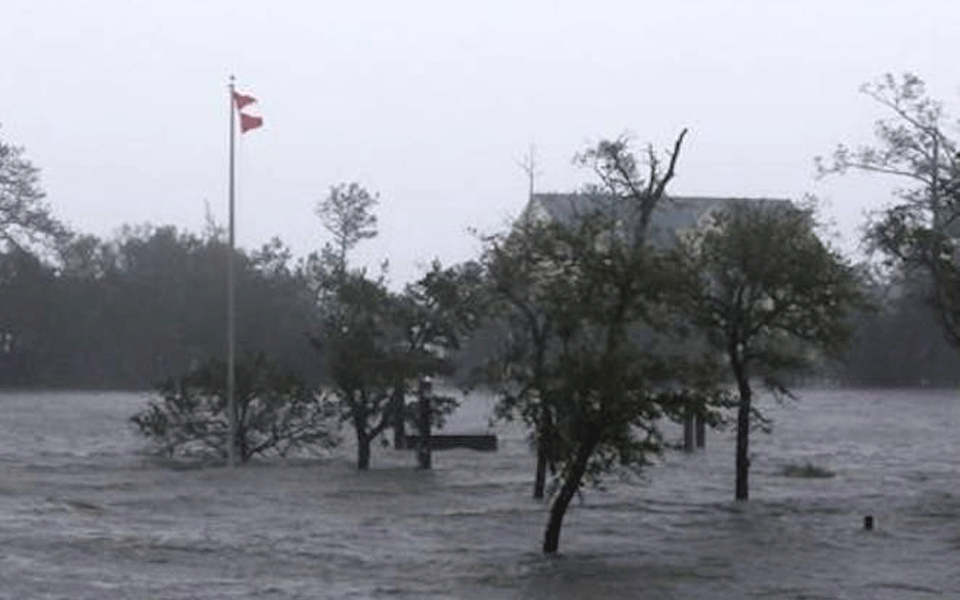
[(378, 344), (347, 213), (25, 218), (150, 302), (581, 306), (276, 413), (28, 230), (768, 295), (901, 342), (919, 230), (523, 369), (28, 317), (355, 334), (766, 291), (583, 363), (355, 339)]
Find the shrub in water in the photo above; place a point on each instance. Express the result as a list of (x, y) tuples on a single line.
[(276, 413)]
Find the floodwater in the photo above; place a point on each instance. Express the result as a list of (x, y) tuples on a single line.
[(85, 514)]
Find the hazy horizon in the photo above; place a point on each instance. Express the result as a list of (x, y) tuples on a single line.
[(432, 105)]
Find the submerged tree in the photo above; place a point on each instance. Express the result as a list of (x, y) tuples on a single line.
[(276, 413), (517, 271), (377, 344), (433, 316), (769, 295), (916, 144), (600, 287), (355, 339), (354, 317)]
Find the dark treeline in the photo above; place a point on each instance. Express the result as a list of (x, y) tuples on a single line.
[(899, 343), (125, 313)]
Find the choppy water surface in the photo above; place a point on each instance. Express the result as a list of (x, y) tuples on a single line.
[(85, 515)]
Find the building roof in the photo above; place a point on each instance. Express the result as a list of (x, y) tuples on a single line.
[(671, 216)]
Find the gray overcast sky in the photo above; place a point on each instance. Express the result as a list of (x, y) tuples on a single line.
[(123, 104)]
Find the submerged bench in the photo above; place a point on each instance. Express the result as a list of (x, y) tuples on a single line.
[(484, 442)]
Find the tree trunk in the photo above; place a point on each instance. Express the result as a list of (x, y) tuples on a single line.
[(743, 437), (701, 424), (398, 410), (545, 441), (363, 451), (539, 482), (688, 430), (424, 459), (241, 451), (540, 478), (571, 483)]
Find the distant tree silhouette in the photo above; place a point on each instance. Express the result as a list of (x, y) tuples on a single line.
[(900, 343), (25, 218), (127, 312), (921, 230), (27, 229)]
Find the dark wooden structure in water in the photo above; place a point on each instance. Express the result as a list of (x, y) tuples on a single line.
[(483, 442)]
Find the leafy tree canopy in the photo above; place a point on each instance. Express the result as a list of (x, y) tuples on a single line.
[(25, 218), (915, 143)]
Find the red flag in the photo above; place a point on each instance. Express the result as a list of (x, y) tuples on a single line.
[(242, 100), (248, 122)]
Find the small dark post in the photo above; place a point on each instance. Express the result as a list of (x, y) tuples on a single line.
[(423, 445), (868, 523), (688, 419), (701, 431)]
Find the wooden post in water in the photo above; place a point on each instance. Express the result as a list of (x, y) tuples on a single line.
[(688, 427), (423, 443), (701, 432), (399, 417)]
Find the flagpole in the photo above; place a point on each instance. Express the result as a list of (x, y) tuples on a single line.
[(231, 333)]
